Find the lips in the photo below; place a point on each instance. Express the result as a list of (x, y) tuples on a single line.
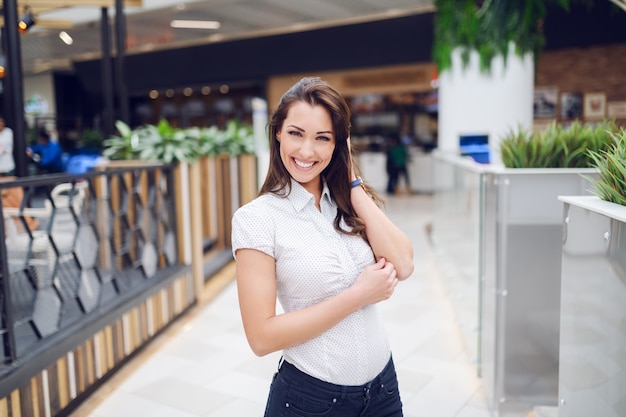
[(302, 164)]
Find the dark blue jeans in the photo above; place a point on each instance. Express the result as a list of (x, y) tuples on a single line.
[(296, 394)]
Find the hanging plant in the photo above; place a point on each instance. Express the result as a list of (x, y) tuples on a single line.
[(488, 27)]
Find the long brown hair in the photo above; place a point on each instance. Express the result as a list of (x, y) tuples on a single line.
[(316, 92)]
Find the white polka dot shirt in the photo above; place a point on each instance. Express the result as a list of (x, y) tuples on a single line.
[(315, 262)]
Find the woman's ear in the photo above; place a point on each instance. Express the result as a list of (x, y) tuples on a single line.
[(278, 136)]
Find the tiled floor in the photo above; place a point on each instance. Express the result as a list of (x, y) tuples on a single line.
[(203, 367)]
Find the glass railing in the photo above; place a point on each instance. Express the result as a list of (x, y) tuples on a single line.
[(456, 234)]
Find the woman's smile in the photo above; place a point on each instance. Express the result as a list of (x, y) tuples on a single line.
[(303, 164)]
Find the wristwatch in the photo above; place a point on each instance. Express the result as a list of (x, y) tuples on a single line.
[(357, 182)]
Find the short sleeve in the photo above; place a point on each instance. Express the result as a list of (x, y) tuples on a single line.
[(253, 228)]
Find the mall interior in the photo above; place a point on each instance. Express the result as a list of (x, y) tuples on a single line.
[(122, 299)]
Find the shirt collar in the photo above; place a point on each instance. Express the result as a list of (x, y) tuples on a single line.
[(300, 197)]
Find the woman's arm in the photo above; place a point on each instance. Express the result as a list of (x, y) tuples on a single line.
[(268, 332), (385, 238)]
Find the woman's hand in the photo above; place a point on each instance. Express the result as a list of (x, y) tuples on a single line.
[(376, 283)]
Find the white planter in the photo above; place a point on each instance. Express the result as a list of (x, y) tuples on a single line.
[(497, 233), (592, 373), (521, 279)]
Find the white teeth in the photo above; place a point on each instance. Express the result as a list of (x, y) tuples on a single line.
[(303, 165)]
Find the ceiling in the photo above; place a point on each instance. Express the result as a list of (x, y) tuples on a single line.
[(148, 26)]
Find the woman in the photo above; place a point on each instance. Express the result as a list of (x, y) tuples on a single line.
[(7, 163), (316, 239)]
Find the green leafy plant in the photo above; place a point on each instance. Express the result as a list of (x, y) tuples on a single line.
[(165, 143), (206, 139), (124, 146), (610, 184), (556, 146), (488, 27), (235, 139)]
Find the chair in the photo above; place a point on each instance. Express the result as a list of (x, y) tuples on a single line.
[(27, 240), (65, 192), (26, 247)]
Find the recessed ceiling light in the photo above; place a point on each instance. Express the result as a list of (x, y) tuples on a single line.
[(195, 24)]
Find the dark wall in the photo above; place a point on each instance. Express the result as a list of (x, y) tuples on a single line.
[(597, 23), (70, 99), (388, 42)]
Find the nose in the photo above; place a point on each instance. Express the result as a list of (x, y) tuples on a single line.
[(307, 148)]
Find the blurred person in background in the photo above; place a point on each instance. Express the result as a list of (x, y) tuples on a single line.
[(397, 162), (7, 163), (47, 154)]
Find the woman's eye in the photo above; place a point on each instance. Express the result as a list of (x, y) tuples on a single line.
[(324, 138), (295, 133)]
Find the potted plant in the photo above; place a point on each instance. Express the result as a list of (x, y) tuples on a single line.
[(226, 156), (156, 143), (515, 251), (610, 185), (557, 146), (123, 146), (235, 139), (523, 232), (165, 143)]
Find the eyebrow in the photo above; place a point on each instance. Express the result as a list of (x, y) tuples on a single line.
[(302, 130)]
